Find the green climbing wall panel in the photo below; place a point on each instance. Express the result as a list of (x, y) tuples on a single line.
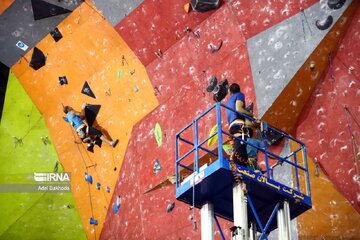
[(30, 215)]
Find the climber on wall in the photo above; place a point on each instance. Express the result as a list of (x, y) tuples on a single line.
[(86, 133)]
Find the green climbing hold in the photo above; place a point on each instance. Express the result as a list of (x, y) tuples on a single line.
[(158, 134), (119, 73), (228, 148)]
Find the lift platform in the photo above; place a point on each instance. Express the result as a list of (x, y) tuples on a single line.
[(204, 174)]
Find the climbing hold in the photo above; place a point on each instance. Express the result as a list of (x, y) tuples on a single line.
[(197, 34), (37, 59), (156, 91), (91, 112), (312, 65), (119, 73), (132, 72), (123, 60), (108, 189), (45, 140), (18, 141), (56, 34), (170, 207), (324, 24), (136, 88), (214, 48), (336, 4), (117, 205), (213, 139), (87, 90), (159, 54), (204, 5), (93, 221), (63, 80), (157, 166), (187, 7), (158, 134), (42, 9), (108, 92), (88, 178), (98, 186), (212, 84), (56, 166), (228, 149)]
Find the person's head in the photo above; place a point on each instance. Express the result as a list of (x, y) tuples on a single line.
[(67, 109), (234, 88)]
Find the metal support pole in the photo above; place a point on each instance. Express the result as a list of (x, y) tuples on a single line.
[(207, 221), (287, 220), (240, 210), (252, 233), (280, 222), (283, 218)]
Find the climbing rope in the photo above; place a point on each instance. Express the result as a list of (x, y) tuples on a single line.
[(90, 196), (356, 150)]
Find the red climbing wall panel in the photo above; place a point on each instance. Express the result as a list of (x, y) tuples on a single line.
[(326, 110), (179, 82)]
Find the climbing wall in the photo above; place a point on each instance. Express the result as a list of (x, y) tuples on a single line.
[(334, 147), (139, 90), (90, 51), (180, 84), (29, 213)]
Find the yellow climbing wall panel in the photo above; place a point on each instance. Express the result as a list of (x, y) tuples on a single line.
[(90, 50), (332, 216)]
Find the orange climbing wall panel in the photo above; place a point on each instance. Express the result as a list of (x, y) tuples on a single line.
[(91, 51), (4, 4), (331, 216)]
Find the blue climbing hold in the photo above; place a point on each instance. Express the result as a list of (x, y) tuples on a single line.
[(88, 178), (117, 205), (93, 221), (98, 186)]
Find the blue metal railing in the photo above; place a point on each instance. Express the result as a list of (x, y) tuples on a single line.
[(195, 145)]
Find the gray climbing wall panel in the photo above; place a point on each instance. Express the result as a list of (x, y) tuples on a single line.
[(116, 10), (277, 53), (17, 24)]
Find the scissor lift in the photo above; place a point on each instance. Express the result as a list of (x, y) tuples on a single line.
[(205, 180)]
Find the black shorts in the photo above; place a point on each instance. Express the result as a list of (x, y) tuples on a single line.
[(240, 154)]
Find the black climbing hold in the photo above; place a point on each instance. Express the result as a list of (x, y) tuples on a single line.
[(212, 84), (91, 112), (56, 34), (336, 4), (37, 59), (63, 80), (87, 90), (325, 24), (170, 207), (42, 9), (204, 5)]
